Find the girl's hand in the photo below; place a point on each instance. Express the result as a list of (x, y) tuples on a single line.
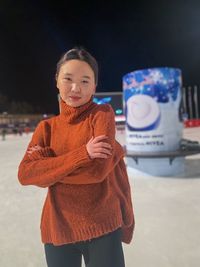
[(96, 148), (33, 148)]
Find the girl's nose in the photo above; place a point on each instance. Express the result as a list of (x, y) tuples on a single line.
[(75, 87)]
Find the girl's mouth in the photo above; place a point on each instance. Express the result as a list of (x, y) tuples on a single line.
[(75, 98)]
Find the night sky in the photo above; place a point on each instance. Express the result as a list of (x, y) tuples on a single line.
[(123, 37)]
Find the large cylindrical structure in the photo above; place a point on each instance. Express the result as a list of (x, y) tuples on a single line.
[(152, 100)]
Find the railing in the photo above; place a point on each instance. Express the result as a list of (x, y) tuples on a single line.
[(191, 102)]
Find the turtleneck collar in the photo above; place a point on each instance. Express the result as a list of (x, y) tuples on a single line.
[(71, 114)]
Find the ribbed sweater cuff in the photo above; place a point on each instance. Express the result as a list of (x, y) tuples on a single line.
[(80, 156)]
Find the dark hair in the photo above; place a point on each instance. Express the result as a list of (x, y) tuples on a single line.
[(81, 54)]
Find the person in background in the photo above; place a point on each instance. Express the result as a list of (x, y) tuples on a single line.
[(88, 208), (3, 133)]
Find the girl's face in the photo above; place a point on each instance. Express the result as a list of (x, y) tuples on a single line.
[(76, 82)]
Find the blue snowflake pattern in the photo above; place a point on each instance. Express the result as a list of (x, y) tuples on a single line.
[(162, 84)]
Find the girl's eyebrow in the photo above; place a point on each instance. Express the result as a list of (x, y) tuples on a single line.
[(85, 76), (68, 74)]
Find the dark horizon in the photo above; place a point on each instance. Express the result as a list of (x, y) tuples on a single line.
[(123, 38)]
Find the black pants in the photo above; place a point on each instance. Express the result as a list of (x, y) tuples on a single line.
[(104, 251)]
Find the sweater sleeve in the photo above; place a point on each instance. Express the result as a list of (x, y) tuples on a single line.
[(42, 168), (98, 169)]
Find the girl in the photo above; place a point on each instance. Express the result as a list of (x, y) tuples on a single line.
[(88, 209)]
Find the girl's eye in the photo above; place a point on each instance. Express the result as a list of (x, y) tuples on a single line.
[(85, 81), (67, 79)]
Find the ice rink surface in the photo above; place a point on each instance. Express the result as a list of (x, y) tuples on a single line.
[(167, 212)]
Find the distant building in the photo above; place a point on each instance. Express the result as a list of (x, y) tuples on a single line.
[(21, 121)]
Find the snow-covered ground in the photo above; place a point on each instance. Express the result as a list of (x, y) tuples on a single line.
[(167, 212)]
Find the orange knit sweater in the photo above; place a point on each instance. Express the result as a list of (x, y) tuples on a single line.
[(86, 198)]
